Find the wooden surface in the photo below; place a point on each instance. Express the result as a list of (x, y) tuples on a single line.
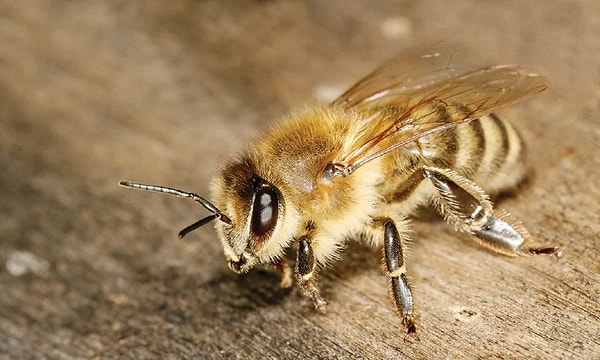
[(165, 92)]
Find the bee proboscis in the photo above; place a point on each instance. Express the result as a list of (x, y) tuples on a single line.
[(404, 136)]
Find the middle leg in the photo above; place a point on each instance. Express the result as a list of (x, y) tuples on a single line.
[(396, 270)]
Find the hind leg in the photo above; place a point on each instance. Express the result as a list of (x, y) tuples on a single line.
[(468, 208)]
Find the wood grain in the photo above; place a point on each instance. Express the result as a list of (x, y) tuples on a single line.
[(95, 92)]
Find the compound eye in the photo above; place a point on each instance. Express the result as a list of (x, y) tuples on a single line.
[(264, 212)]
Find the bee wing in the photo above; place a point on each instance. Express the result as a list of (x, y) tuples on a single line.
[(402, 75), (399, 112)]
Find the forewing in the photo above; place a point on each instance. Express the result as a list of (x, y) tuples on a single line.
[(402, 75), (462, 97)]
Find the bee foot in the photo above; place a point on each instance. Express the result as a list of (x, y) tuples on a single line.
[(411, 335), (319, 303)]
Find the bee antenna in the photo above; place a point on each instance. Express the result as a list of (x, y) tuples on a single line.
[(196, 225), (217, 214)]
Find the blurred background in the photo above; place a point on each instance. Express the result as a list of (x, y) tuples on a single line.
[(165, 92)]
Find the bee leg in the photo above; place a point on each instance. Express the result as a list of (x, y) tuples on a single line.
[(284, 268), (305, 271), (468, 207), (396, 270)]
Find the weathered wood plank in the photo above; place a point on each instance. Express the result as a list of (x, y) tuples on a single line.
[(93, 92)]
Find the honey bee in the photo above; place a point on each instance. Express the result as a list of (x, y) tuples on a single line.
[(414, 132)]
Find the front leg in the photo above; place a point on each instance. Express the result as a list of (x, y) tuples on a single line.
[(305, 272), (396, 270), (284, 268)]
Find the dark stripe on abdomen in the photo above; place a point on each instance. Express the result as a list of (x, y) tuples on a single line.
[(500, 155), (478, 147)]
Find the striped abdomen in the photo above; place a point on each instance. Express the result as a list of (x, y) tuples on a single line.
[(488, 151)]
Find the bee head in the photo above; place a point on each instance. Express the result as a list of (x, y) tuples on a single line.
[(257, 231), (250, 212)]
